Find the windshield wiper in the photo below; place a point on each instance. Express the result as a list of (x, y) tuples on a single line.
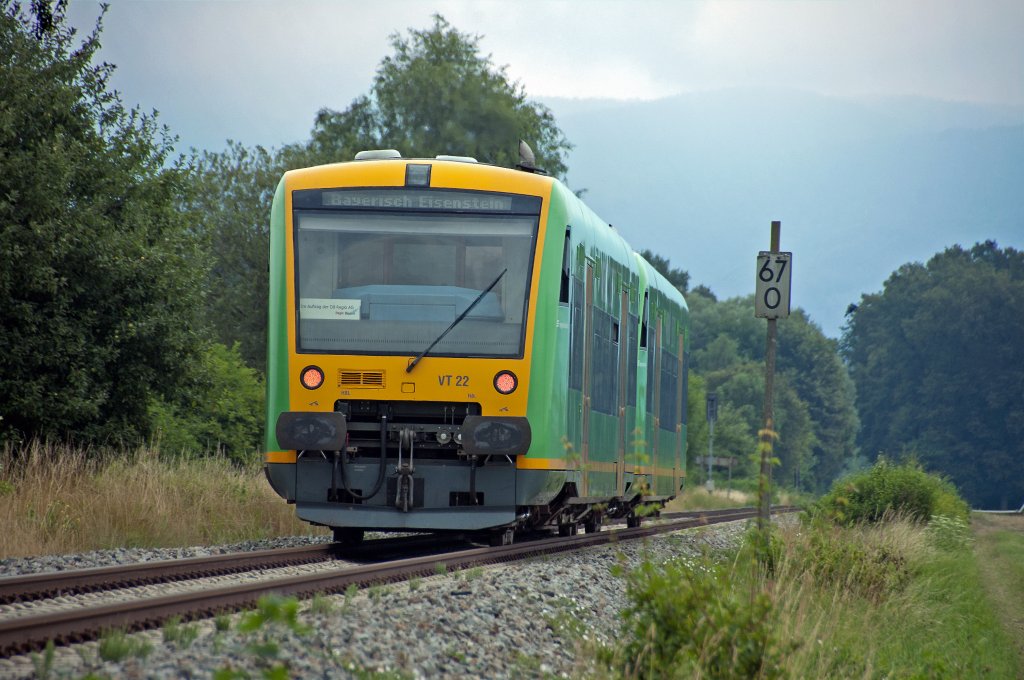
[(460, 317)]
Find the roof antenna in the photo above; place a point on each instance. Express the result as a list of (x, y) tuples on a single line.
[(527, 161)]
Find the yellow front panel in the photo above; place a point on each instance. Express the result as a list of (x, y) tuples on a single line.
[(382, 377)]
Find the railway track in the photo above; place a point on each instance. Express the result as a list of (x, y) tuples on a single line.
[(48, 585), (25, 633)]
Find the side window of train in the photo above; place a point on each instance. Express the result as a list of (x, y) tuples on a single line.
[(563, 292), (643, 322)]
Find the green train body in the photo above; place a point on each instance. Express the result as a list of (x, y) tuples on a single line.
[(558, 400)]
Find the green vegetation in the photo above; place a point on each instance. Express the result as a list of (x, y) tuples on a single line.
[(938, 362), (100, 272), (999, 544), (218, 409), (881, 600), (61, 499), (680, 278), (890, 597), (118, 645), (684, 621), (888, 489), (814, 406), (42, 663), (321, 605), (182, 635)]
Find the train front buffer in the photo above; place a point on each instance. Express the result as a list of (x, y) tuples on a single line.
[(382, 459)]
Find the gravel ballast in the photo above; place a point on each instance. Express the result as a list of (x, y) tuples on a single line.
[(521, 620)]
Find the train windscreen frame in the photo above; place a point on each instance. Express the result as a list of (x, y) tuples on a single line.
[(387, 270)]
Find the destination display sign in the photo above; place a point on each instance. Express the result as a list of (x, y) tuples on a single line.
[(417, 200)]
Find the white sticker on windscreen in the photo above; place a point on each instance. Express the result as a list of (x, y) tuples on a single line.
[(329, 308)]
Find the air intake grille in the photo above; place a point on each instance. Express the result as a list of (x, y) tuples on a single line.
[(361, 379)]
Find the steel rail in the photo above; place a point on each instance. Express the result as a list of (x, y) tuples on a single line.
[(72, 582), (55, 583), (31, 633), (48, 585)]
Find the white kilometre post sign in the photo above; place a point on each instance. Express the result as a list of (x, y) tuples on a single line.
[(774, 273)]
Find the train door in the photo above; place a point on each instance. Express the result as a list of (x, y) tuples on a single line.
[(588, 352), (680, 414), (656, 377), (640, 446), (624, 359)]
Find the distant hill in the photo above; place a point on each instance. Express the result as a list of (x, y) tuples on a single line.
[(861, 185)]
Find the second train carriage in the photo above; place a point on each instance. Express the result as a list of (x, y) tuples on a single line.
[(457, 346)]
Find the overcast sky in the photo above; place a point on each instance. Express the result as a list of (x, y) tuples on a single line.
[(258, 71)]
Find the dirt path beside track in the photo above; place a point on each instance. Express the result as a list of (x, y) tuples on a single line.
[(1000, 550)]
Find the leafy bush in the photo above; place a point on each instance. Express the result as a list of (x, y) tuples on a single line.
[(221, 409), (686, 620), (887, 490)]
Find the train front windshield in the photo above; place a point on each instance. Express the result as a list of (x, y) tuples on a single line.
[(390, 282)]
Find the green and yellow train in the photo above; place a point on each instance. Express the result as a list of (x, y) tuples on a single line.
[(458, 346)]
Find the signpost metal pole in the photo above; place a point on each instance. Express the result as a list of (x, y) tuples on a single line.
[(710, 483), (712, 412)]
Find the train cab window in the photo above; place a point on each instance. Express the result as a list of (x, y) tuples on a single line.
[(389, 282)]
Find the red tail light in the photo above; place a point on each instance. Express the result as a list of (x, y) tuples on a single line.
[(506, 382), (311, 377)]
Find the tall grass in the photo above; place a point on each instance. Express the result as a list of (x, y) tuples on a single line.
[(893, 600), (59, 499), (699, 498)]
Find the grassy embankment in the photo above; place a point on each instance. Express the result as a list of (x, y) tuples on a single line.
[(893, 600), (56, 499), (855, 590), (1000, 550)]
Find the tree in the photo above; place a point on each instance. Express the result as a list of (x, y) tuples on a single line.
[(436, 94), (814, 397), (218, 409), (677, 277), (99, 273), (938, 362), (232, 195)]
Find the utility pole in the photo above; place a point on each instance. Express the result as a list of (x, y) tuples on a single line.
[(712, 410), (771, 302)]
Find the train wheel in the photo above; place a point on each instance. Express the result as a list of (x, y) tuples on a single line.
[(348, 536), (632, 521), (568, 529), (592, 525)]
